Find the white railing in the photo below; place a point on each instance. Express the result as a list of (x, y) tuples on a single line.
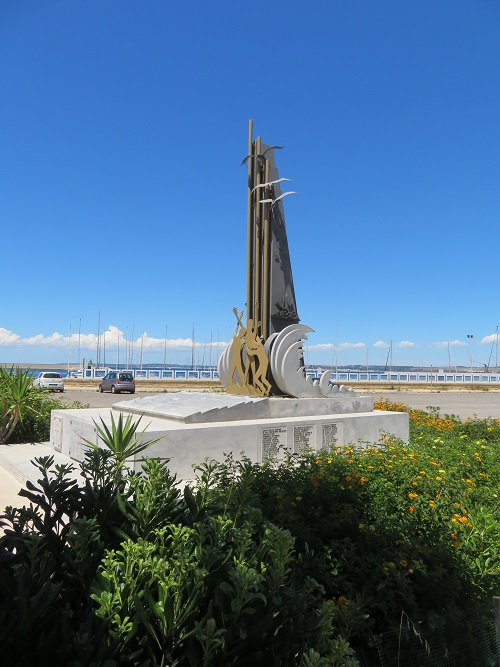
[(340, 376), (155, 374), (425, 377)]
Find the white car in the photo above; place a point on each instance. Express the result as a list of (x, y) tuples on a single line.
[(49, 380)]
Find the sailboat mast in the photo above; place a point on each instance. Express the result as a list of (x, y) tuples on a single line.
[(98, 338), (193, 361), (132, 345), (79, 338), (496, 351), (69, 347), (165, 350)]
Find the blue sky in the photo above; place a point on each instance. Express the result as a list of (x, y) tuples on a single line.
[(123, 127)]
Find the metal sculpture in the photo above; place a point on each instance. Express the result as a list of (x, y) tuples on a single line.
[(265, 357)]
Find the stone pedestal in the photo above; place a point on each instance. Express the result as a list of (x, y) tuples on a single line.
[(194, 426)]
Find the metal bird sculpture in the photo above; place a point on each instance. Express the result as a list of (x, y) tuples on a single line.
[(250, 157), (275, 201), (270, 148), (261, 157), (264, 185)]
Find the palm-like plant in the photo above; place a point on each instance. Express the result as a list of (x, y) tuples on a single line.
[(16, 398), (122, 439)]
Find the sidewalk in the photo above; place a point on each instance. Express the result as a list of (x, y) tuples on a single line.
[(9, 488), (16, 468)]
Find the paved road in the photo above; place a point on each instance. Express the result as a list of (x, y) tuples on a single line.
[(461, 403)]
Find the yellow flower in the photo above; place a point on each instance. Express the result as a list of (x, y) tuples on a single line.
[(438, 478), (413, 495), (432, 503)]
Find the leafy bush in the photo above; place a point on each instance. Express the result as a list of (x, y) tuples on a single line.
[(35, 426), (126, 569), (285, 563)]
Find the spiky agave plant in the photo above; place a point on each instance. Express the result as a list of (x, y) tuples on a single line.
[(122, 439)]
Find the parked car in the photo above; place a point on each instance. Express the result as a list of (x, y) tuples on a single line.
[(118, 381), (49, 380)]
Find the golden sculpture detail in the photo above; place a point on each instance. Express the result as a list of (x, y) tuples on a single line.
[(248, 361)]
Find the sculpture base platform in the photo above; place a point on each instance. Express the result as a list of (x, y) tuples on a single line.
[(194, 426)]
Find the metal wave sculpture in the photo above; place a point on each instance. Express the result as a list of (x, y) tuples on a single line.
[(265, 356)]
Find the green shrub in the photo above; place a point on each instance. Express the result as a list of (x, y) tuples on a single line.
[(126, 569), (24, 409), (35, 426), (285, 563)]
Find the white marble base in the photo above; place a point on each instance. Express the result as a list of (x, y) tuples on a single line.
[(186, 442), (197, 407)]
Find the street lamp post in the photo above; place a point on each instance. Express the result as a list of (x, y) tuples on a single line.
[(470, 337)]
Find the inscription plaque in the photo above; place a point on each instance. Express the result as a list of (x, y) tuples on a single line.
[(303, 436), (332, 434), (272, 440)]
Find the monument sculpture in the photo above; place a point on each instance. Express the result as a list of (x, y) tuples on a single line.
[(271, 407), (265, 356)]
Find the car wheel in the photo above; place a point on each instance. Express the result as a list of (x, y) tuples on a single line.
[(133, 391), (100, 389), (113, 389), (61, 390)]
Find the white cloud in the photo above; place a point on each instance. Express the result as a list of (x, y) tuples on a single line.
[(321, 346), (444, 343), (54, 340), (487, 339), (350, 346), (405, 343), (111, 338), (380, 343), (7, 337), (331, 346)]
